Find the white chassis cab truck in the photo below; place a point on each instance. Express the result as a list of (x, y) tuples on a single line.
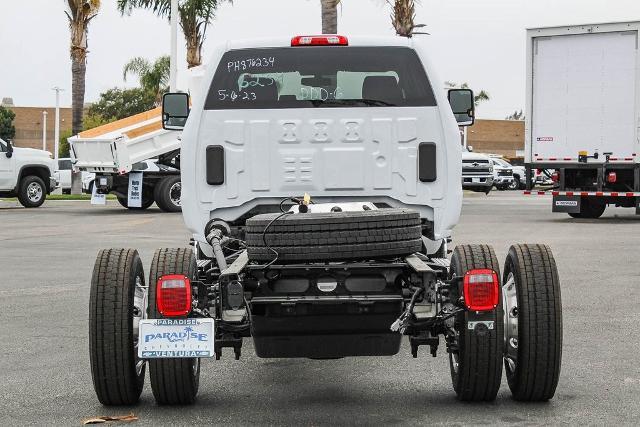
[(26, 173), (321, 181), (583, 115), (119, 154)]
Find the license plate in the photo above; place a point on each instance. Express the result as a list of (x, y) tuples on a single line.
[(171, 338)]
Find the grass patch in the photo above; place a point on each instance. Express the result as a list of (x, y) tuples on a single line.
[(86, 197), (75, 197)]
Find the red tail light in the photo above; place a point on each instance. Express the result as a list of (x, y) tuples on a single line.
[(330, 40), (612, 177), (173, 295), (481, 290), (555, 177)]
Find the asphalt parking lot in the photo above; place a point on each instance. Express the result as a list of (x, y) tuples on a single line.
[(46, 259)]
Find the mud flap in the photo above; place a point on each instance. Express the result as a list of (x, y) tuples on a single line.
[(566, 204)]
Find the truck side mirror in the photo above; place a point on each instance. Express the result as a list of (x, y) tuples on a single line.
[(9, 152), (463, 105), (175, 110)]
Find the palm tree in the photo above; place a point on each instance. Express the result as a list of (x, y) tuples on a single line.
[(195, 17), (154, 77), (517, 115), (80, 14), (403, 15), (329, 16)]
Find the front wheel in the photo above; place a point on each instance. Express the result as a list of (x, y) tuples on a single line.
[(533, 322), (32, 192), (515, 184), (117, 304), (475, 355), (173, 381)]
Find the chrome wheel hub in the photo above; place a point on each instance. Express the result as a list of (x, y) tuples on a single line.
[(510, 305), (34, 192), (139, 313), (174, 193)]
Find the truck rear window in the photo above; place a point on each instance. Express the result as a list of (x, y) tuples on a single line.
[(319, 77)]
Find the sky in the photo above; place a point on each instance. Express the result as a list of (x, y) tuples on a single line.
[(474, 41)]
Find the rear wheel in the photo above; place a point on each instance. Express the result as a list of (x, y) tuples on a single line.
[(590, 209), (173, 381), (167, 194), (117, 303), (147, 201), (475, 355), (594, 208), (32, 192), (533, 322)]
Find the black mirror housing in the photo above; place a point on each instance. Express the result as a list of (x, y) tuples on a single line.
[(175, 110), (9, 152), (463, 106)]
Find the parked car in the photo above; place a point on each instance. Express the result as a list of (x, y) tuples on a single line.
[(477, 172), (26, 173), (63, 174), (502, 174), (342, 273)]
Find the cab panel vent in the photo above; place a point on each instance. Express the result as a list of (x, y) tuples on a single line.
[(427, 162), (215, 165)]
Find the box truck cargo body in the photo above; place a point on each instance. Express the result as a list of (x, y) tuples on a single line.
[(583, 98)]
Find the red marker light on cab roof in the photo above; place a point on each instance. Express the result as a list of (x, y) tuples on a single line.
[(325, 40)]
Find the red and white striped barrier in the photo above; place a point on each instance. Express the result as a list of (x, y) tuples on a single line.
[(582, 193), (575, 159)]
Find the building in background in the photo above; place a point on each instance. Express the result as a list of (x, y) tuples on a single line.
[(503, 137), (28, 124)]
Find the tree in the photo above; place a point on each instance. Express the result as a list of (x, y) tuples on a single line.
[(329, 16), (195, 17), (63, 144), (403, 15), (479, 97), (7, 129), (154, 78), (116, 103), (517, 115), (80, 13)]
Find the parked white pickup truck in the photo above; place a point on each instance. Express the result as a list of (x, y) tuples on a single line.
[(477, 172), (63, 175), (26, 173)]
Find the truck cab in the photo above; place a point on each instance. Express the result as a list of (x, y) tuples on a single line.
[(26, 173), (321, 184)]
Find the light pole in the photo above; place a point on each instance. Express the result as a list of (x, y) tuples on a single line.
[(173, 70), (44, 130), (56, 127)]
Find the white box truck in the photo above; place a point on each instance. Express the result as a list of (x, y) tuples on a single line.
[(582, 115)]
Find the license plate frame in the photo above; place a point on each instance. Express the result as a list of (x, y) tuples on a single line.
[(176, 338)]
